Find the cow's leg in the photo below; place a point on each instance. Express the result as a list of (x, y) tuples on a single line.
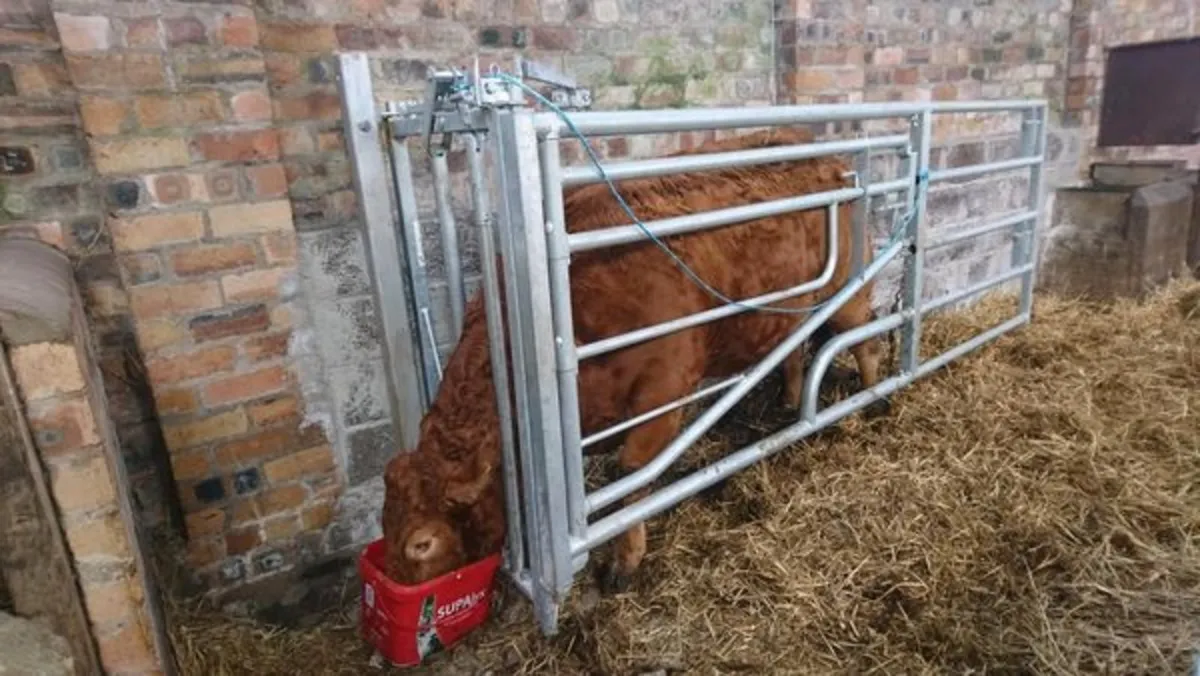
[(868, 353), (664, 380), (795, 366)]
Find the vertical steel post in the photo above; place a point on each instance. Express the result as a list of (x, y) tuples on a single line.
[(361, 127), (564, 337), (449, 232), (515, 537), (418, 274), (1033, 144), (524, 237), (859, 226), (914, 283)]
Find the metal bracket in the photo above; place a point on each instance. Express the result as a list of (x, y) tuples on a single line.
[(454, 99)]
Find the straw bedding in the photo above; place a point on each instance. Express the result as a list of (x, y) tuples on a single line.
[(1033, 508)]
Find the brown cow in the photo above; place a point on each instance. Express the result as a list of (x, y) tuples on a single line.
[(444, 504)]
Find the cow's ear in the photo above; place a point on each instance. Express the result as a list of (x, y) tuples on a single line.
[(466, 493)]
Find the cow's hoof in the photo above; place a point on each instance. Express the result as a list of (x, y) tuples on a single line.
[(613, 581), (877, 409)]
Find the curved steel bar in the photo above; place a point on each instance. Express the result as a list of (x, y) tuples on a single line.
[(671, 326), (830, 350), (617, 490), (662, 166)]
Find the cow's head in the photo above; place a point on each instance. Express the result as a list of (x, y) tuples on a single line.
[(425, 522)]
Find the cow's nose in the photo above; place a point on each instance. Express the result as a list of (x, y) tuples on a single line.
[(421, 544)]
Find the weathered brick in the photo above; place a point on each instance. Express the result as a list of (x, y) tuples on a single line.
[(213, 258), (41, 78), (240, 219), (282, 499), (239, 31), (81, 482), (239, 146), (242, 540), (312, 106), (268, 180), (300, 464), (101, 535), (235, 322), (317, 516), (203, 68), (222, 185), (290, 36), (189, 466), (186, 30), (246, 386), (63, 425), (116, 71), (103, 116), (280, 248), (108, 602), (155, 334), (281, 528), (46, 369), (204, 553), (190, 365), (169, 189), (252, 105), (269, 443), (148, 302), (83, 33), (178, 110), (205, 430), (173, 402), (140, 233), (128, 650), (273, 411), (205, 523), (253, 285), (119, 156), (142, 34)]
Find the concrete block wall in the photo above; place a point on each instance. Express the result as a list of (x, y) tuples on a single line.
[(231, 259)]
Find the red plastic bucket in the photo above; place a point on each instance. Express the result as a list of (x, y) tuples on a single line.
[(407, 624)]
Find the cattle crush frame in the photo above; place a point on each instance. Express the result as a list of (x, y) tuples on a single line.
[(513, 161)]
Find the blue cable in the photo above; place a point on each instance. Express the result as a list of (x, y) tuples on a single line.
[(633, 217)]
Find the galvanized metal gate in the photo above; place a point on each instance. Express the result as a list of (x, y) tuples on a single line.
[(552, 519)]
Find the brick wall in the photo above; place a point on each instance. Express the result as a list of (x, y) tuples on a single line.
[(179, 123), (231, 260)]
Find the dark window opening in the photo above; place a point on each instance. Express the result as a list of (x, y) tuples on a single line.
[(1151, 94)]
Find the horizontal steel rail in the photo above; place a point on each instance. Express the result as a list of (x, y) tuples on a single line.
[(607, 495), (612, 123), (987, 228), (975, 289), (706, 220), (973, 170), (618, 522), (662, 410), (620, 171), (686, 322)]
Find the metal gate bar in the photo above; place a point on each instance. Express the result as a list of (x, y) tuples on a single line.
[(547, 507)]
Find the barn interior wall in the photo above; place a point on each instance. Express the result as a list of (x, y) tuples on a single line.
[(231, 259)]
